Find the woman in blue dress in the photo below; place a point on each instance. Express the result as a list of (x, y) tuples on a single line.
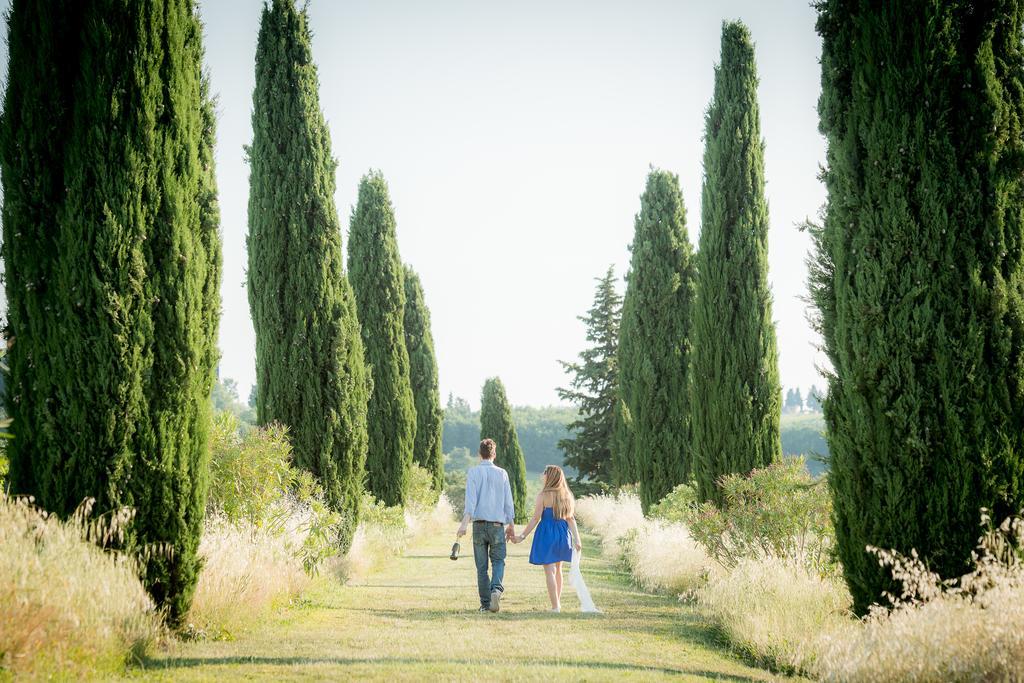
[(557, 535)]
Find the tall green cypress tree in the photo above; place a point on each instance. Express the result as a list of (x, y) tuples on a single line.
[(734, 382), (112, 255), (594, 388), (309, 355), (919, 277), (496, 423), (654, 347), (623, 467), (379, 284), (419, 341)]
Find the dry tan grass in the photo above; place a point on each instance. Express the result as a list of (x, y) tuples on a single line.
[(665, 558), (789, 618), (661, 556), (948, 639), (771, 611), (610, 518), (67, 607), (246, 572), (777, 613), (387, 536), (971, 629)]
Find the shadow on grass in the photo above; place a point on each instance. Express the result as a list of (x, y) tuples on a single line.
[(440, 586), (427, 614), (192, 662), (677, 625)]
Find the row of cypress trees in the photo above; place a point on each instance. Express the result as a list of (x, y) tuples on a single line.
[(112, 254), (345, 361), (917, 277), (698, 383)]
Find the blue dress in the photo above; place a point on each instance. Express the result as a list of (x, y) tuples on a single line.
[(552, 541)]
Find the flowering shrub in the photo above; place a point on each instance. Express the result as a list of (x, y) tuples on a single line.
[(777, 511)]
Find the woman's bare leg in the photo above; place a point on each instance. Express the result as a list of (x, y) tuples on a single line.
[(558, 580), (553, 590)]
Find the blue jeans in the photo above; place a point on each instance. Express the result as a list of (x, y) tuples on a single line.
[(488, 544)]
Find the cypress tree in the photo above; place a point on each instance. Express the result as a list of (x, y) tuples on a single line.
[(623, 466), (654, 347), (419, 341), (379, 284), (735, 390), (309, 356), (918, 277), (496, 423), (594, 388), (112, 258)]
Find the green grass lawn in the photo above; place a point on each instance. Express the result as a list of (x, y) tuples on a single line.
[(416, 620)]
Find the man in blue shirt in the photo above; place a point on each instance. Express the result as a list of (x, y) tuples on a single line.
[(489, 506)]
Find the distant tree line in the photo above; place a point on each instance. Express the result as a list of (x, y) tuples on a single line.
[(538, 430)]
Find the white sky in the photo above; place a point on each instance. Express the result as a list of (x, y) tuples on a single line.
[(516, 138)]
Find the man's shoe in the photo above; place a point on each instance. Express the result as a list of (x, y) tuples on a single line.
[(484, 609), (495, 600)]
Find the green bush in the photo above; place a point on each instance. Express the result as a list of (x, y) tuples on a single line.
[(455, 490), (421, 496), (375, 513), (253, 483), (778, 511), (250, 474), (678, 506)]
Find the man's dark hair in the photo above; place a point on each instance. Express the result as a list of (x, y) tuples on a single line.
[(488, 449)]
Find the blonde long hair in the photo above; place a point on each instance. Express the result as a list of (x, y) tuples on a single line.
[(556, 490)]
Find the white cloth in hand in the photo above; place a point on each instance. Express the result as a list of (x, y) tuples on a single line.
[(576, 581)]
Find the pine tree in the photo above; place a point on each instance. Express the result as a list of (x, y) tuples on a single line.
[(112, 258), (310, 369), (496, 423), (735, 389), (419, 341), (918, 277), (594, 388), (654, 347), (379, 283)]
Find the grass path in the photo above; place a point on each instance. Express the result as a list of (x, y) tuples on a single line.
[(415, 619)]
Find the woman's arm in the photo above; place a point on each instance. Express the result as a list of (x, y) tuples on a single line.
[(577, 543), (538, 510)]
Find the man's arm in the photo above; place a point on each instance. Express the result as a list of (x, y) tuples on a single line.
[(471, 496), (510, 511)]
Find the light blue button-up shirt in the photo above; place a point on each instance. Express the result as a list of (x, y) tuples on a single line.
[(488, 494)]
